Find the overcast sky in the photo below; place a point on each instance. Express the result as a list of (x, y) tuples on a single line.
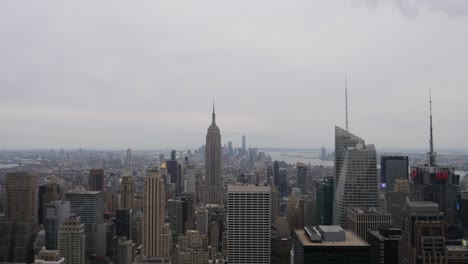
[(142, 74)]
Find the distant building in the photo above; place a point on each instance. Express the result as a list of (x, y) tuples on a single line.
[(127, 192), (358, 181), (213, 164), (384, 245), (19, 225), (124, 251), (89, 206), (72, 241), (301, 175), (392, 168), (327, 245), (310, 210), (123, 222), (202, 220), (192, 248), (363, 220), (423, 234), (324, 200), (96, 180), (248, 220), (56, 213), (157, 237), (175, 213), (49, 257)]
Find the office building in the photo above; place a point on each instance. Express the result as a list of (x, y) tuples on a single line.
[(324, 198), (396, 200), (96, 180), (310, 210), (276, 173), (72, 241), (358, 181), (175, 213), (89, 206), (328, 245), (174, 170), (343, 140), (124, 251), (244, 145), (363, 220), (127, 192), (283, 182), (123, 222), (248, 220), (202, 220), (103, 237), (49, 257), (157, 237), (230, 149), (46, 193), (274, 203), (464, 213), (137, 227), (19, 225), (213, 167), (384, 245), (56, 213), (301, 175), (192, 248), (423, 234), (392, 168)]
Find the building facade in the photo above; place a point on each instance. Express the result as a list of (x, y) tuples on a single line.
[(72, 241), (248, 220), (363, 220), (56, 213), (213, 166)]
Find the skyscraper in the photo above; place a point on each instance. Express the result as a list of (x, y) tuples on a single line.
[(423, 234), (248, 220), (244, 148), (96, 180), (230, 149), (72, 241), (324, 201), (127, 192), (157, 235), (175, 212), (123, 222), (89, 206), (392, 168), (343, 140), (20, 221), (362, 220), (358, 181), (56, 213), (438, 184), (213, 155), (301, 174)]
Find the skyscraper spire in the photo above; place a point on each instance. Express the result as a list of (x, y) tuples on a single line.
[(213, 117), (432, 154), (346, 102)]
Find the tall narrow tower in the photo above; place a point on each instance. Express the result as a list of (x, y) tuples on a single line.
[(156, 234), (213, 186)]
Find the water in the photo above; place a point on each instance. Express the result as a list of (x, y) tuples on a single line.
[(8, 166), (304, 156)]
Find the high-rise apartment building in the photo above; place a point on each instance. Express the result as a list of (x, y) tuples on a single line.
[(392, 168), (127, 192), (89, 206), (423, 234), (19, 225), (358, 180), (248, 220), (213, 167), (71, 243), (56, 213), (96, 180), (363, 220), (157, 236)]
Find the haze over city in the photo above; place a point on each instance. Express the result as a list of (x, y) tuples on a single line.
[(113, 75)]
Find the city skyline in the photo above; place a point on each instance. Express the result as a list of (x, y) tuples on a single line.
[(142, 75)]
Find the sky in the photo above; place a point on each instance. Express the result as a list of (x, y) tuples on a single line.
[(143, 74)]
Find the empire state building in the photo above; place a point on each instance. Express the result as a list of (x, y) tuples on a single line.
[(213, 186)]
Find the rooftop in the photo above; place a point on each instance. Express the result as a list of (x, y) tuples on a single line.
[(248, 188), (352, 240), (367, 210)]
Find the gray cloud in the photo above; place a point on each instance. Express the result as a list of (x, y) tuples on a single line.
[(142, 75)]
